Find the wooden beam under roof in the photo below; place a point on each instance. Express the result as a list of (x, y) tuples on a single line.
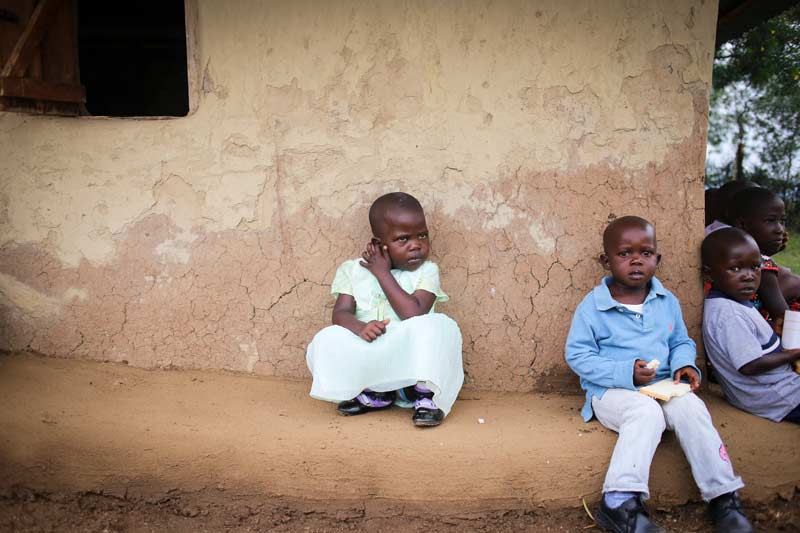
[(735, 17)]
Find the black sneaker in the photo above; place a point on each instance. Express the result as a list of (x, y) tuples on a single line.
[(727, 514), (630, 517)]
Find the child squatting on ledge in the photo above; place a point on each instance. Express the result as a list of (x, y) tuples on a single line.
[(386, 344)]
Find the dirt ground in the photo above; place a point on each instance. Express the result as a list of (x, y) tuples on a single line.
[(24, 510), (102, 447)]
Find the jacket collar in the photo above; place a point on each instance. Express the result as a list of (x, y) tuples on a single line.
[(604, 301)]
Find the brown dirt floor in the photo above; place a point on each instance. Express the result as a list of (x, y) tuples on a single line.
[(89, 446), (23, 510)]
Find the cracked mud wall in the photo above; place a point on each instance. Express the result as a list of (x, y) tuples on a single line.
[(210, 241)]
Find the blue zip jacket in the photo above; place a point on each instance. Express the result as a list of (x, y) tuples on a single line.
[(606, 338)]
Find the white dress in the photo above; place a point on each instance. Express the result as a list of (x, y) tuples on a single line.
[(424, 348)]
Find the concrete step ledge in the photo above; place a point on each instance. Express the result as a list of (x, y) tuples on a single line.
[(74, 426)]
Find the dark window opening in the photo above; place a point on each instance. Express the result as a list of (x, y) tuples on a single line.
[(132, 57)]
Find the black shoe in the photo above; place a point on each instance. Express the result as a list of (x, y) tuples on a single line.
[(630, 517), (427, 417), (354, 407), (727, 514)]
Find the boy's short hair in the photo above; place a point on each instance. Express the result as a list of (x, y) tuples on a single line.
[(717, 243), (748, 201), (387, 202), (621, 222)]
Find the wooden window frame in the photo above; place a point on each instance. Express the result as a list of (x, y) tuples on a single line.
[(22, 92)]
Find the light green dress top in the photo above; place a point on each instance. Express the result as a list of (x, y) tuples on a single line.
[(371, 304)]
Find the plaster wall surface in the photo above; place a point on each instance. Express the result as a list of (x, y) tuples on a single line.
[(210, 241)]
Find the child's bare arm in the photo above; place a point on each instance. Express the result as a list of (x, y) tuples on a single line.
[(771, 296), (789, 284), (376, 260), (344, 315), (770, 361)]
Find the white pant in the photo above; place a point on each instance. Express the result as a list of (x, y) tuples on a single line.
[(640, 421)]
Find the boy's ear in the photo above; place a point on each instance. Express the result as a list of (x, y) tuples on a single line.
[(658, 259), (706, 271), (603, 260)]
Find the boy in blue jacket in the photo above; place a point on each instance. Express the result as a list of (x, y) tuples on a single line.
[(626, 322)]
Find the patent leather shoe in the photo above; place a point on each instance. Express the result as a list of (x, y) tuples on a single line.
[(425, 417), (354, 407)]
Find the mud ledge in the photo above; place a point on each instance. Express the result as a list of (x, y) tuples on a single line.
[(74, 427)]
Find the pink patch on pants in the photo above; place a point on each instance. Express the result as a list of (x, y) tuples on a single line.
[(723, 453)]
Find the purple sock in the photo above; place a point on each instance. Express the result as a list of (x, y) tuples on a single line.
[(370, 400), (425, 401)]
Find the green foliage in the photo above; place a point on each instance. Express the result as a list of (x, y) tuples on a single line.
[(755, 105), (767, 56)]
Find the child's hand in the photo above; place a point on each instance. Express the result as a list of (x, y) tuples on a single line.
[(373, 329), (641, 374), (688, 373), (777, 326), (376, 259)]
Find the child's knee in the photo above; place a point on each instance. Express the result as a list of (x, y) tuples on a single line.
[(647, 416), (332, 336), (686, 407), (433, 327), (432, 320)]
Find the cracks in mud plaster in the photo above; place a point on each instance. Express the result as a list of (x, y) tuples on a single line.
[(236, 145), (509, 219), (186, 206), (75, 349), (522, 321), (209, 86), (122, 325), (665, 79), (284, 294), (261, 331), (258, 208), (280, 207)]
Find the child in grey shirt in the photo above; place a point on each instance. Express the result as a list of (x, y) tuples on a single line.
[(754, 370)]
